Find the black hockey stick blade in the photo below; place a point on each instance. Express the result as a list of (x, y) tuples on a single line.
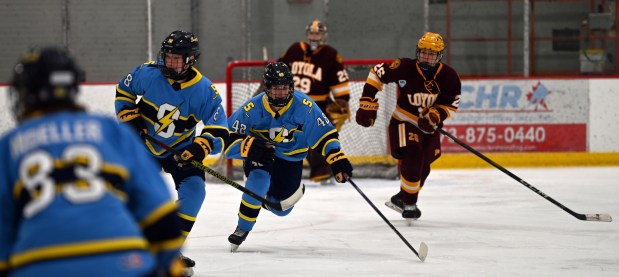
[(423, 248), (275, 205), (585, 217)]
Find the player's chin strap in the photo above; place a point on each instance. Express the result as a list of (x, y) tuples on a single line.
[(280, 206)]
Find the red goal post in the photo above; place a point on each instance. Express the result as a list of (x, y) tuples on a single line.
[(367, 148)]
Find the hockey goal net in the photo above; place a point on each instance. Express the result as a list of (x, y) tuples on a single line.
[(366, 148)]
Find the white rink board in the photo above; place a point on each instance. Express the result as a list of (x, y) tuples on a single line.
[(600, 114)]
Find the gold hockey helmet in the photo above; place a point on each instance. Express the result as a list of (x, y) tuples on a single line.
[(431, 42)]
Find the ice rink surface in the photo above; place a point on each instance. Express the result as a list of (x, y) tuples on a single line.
[(476, 222)]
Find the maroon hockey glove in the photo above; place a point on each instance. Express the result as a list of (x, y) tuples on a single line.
[(340, 165), (258, 151), (366, 114), (428, 119), (198, 150), (339, 112)]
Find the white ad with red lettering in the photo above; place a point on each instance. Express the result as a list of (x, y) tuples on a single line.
[(521, 116)]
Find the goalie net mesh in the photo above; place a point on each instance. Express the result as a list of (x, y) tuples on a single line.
[(366, 148)]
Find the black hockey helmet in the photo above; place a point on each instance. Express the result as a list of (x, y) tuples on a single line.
[(44, 79), (278, 74), (181, 43)]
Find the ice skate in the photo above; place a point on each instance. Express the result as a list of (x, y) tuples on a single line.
[(188, 265), (408, 212), (396, 204), (237, 238), (327, 182)]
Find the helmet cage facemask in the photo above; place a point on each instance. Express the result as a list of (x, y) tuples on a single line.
[(425, 65), (279, 102), (316, 27), (180, 43), (278, 74), (188, 62), (432, 42)]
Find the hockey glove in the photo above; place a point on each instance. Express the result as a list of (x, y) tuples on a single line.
[(340, 165), (198, 150), (428, 119), (133, 117), (339, 112), (257, 151), (366, 115)]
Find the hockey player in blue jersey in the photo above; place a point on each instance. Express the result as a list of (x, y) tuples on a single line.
[(175, 97), (79, 196), (272, 133)]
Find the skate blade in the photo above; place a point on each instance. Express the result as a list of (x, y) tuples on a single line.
[(393, 207), (409, 222), (233, 247), (187, 272)]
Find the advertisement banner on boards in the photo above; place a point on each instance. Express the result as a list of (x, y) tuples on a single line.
[(521, 116)]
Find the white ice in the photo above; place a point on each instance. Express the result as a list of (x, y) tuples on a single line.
[(477, 222)]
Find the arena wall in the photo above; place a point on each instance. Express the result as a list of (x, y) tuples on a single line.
[(575, 117)]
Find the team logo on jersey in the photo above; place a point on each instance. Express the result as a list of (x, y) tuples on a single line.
[(395, 64), (166, 116), (281, 134), (402, 83), (432, 87)]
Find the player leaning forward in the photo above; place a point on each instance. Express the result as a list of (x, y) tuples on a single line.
[(429, 94), (272, 133), (175, 97)]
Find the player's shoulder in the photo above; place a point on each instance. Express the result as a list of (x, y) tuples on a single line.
[(303, 102), (146, 70), (403, 62), (200, 83), (252, 105), (448, 69), (328, 49), (147, 67), (297, 45)]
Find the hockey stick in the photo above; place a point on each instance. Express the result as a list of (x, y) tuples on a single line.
[(423, 248), (281, 206), (586, 217)]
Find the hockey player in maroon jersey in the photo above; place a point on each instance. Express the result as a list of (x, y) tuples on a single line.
[(318, 72), (429, 94)]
